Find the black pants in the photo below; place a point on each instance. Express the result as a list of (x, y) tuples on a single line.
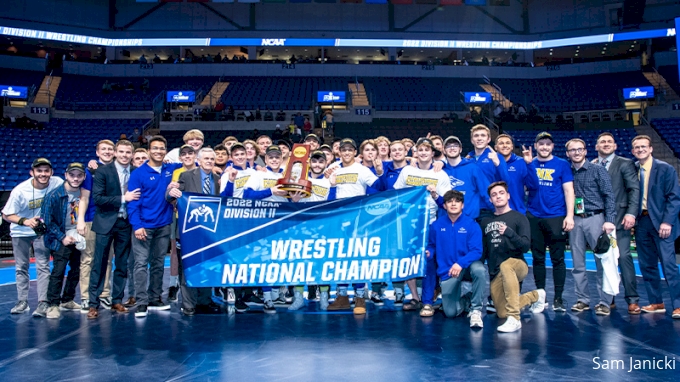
[(65, 255), (191, 296), (627, 267), (547, 232), (121, 238)]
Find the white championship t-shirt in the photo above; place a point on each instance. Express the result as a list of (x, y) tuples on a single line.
[(259, 181), (25, 201), (414, 177), (321, 188), (242, 178), (353, 180)]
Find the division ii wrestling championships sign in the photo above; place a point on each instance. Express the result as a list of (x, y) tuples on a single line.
[(241, 242)]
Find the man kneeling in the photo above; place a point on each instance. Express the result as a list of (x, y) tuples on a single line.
[(454, 248), (507, 236)]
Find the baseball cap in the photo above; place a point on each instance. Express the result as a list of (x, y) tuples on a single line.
[(602, 244), (75, 166), (428, 142), (315, 137), (348, 141), (237, 145), (40, 162), (318, 154), (283, 142), (453, 139), (326, 147), (187, 148), (544, 135), (273, 149)]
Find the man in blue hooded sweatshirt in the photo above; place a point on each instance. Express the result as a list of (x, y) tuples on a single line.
[(455, 245), (492, 165), (466, 177)]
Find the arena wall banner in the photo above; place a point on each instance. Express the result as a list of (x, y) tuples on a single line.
[(241, 242)]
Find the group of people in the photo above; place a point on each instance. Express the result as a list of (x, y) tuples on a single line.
[(488, 206)]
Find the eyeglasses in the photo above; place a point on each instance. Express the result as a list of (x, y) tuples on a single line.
[(576, 151), (450, 147), (644, 147)]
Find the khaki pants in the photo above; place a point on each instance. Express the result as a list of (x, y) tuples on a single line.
[(505, 289), (86, 266)]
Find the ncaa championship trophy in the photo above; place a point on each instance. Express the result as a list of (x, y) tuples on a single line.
[(295, 177)]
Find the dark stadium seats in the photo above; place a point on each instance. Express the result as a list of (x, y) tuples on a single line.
[(668, 130), (670, 74), (16, 77), (419, 94)]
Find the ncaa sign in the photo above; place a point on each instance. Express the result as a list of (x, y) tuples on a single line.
[(202, 213), (273, 42)]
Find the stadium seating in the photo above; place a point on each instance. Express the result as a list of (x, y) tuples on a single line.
[(82, 93), (16, 77), (61, 141), (668, 130), (282, 93), (670, 74), (419, 94), (580, 93)]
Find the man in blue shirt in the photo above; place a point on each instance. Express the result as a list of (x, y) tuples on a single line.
[(150, 217), (551, 215), (455, 247), (521, 171), (492, 165), (466, 177)]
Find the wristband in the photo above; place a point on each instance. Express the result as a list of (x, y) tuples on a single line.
[(21, 221)]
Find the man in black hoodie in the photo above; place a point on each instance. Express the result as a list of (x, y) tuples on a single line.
[(507, 236)]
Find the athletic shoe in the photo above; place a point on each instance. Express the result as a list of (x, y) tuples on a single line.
[(558, 306), (71, 305), (580, 307), (399, 299), (20, 307), (141, 311), (298, 301), (41, 311), (280, 300), (490, 307), (231, 296), (538, 306), (53, 312), (311, 292), (172, 293), (186, 311), (158, 305), (511, 325), (476, 319), (413, 305), (106, 302), (602, 310), (376, 300), (284, 293), (84, 306), (676, 313), (340, 303), (240, 306), (359, 305), (251, 299), (323, 300), (269, 307)]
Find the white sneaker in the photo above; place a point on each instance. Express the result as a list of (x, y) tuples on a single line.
[(53, 312), (71, 305), (476, 319), (231, 296), (511, 325), (539, 306)]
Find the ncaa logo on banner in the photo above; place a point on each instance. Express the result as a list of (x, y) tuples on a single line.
[(202, 212), (378, 206)]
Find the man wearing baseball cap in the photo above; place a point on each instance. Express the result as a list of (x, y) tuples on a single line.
[(465, 176), (313, 141), (551, 215), (22, 211), (60, 213)]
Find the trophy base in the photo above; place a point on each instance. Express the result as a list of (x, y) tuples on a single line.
[(302, 185)]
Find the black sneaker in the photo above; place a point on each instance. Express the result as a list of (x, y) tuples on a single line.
[(158, 305), (490, 307), (269, 307), (141, 311), (251, 299), (280, 301), (172, 293), (399, 300), (376, 300), (558, 306), (311, 295), (188, 311), (240, 306)]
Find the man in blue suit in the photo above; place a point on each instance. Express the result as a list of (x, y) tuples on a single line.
[(657, 226)]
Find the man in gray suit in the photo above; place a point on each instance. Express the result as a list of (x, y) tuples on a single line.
[(627, 194), (200, 180)]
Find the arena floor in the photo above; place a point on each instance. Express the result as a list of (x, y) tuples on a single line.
[(309, 345)]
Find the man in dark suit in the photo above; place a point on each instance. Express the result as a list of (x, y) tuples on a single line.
[(111, 226), (626, 197), (200, 180), (658, 226)]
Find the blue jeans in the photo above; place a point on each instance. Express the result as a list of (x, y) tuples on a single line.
[(451, 300)]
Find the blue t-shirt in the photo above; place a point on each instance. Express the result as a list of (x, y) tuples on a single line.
[(91, 208), (548, 200)]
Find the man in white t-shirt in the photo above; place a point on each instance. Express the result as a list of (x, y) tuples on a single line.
[(352, 179), (193, 138), (437, 183), (23, 212)]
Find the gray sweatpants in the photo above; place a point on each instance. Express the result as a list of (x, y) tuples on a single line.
[(149, 263), (586, 231), (21, 246)]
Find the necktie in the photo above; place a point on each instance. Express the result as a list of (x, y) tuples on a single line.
[(604, 163), (123, 188), (642, 186), (206, 185)]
